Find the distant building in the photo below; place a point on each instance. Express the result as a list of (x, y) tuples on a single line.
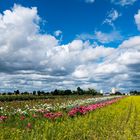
[(127, 94), (113, 90), (106, 94), (101, 91)]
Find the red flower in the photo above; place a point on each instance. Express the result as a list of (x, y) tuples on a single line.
[(22, 118)]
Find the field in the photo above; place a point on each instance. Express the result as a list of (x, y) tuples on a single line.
[(81, 118)]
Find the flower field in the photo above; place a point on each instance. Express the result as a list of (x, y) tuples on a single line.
[(112, 117)]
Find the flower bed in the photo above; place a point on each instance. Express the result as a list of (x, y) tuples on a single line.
[(82, 110), (71, 109)]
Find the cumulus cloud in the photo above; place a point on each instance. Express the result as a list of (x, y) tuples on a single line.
[(123, 2), (111, 17), (137, 19), (119, 69), (132, 43), (21, 45), (123, 65), (30, 60)]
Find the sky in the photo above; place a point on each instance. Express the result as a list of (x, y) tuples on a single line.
[(63, 44)]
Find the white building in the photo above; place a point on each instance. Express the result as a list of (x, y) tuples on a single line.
[(113, 90), (101, 91)]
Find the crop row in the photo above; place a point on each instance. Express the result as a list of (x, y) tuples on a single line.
[(31, 114), (46, 107)]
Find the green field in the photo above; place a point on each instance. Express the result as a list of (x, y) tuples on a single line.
[(119, 121)]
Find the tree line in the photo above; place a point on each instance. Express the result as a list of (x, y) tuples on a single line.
[(79, 91), (135, 92)]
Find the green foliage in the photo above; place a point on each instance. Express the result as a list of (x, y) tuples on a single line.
[(135, 92), (56, 92)]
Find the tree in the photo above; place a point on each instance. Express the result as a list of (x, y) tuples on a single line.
[(34, 92), (38, 93), (118, 93), (80, 91), (92, 91), (56, 92), (68, 92), (17, 92)]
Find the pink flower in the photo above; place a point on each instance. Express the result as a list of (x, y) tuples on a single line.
[(35, 116), (29, 125), (51, 115), (3, 118), (82, 110)]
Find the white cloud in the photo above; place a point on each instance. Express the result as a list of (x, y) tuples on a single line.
[(124, 61), (129, 58), (86, 36), (123, 2), (108, 37), (34, 61), (81, 72), (132, 43), (111, 17), (137, 19), (21, 39), (89, 1), (102, 37), (57, 33), (119, 69)]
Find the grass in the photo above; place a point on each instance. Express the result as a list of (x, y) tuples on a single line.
[(120, 121)]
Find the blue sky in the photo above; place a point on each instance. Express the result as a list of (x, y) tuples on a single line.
[(69, 43), (74, 17)]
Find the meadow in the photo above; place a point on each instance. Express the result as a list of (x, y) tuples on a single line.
[(81, 118)]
